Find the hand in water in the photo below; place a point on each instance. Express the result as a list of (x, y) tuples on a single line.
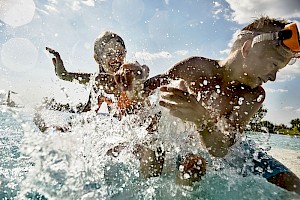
[(191, 168), (57, 62)]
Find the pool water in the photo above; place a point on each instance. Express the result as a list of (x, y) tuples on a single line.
[(73, 165)]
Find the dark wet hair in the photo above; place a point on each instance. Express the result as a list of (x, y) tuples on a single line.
[(103, 39), (266, 24), (262, 24)]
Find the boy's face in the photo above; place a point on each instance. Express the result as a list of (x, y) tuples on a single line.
[(113, 56), (263, 62)]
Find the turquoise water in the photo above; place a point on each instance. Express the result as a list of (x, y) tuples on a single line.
[(74, 166), (13, 165), (278, 141)]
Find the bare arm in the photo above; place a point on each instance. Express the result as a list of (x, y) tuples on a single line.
[(218, 132), (105, 80), (218, 129), (189, 70), (231, 125), (63, 74)]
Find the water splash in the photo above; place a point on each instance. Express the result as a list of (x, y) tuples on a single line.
[(75, 165)]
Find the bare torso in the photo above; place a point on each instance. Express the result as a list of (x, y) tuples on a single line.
[(218, 97)]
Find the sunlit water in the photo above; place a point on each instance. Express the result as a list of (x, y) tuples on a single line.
[(74, 165)]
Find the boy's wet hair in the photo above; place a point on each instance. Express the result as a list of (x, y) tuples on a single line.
[(102, 40), (262, 24), (265, 24)]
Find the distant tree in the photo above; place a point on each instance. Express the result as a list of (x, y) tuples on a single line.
[(268, 125), (257, 124), (280, 127), (261, 113), (295, 123)]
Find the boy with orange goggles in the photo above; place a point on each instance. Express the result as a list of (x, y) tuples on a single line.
[(220, 96)]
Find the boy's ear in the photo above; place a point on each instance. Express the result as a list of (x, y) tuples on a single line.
[(246, 48)]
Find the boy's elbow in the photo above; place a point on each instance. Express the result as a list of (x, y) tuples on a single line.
[(64, 76)]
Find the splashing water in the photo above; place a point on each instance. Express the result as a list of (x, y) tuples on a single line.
[(74, 165)]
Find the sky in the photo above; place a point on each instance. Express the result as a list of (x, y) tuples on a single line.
[(158, 33)]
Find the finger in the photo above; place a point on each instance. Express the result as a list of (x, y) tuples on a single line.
[(123, 82), (51, 50), (173, 105), (117, 78), (129, 80), (172, 97), (176, 113), (141, 72), (176, 91), (54, 61), (171, 89), (125, 75), (166, 104), (164, 89), (178, 103), (55, 53)]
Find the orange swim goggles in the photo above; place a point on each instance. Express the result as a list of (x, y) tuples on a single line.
[(288, 36)]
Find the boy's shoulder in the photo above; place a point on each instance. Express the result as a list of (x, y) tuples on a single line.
[(200, 60), (197, 63), (199, 66)]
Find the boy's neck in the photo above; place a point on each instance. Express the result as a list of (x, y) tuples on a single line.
[(231, 67)]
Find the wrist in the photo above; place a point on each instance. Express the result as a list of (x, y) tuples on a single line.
[(61, 72), (206, 123)]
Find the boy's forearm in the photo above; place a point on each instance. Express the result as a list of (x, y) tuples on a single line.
[(218, 136), (63, 74), (154, 82), (82, 78), (103, 81), (151, 165), (217, 143)]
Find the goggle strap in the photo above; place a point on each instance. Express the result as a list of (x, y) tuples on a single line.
[(265, 37)]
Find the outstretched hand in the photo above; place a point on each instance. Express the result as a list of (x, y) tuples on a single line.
[(57, 62), (131, 75), (182, 103)]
